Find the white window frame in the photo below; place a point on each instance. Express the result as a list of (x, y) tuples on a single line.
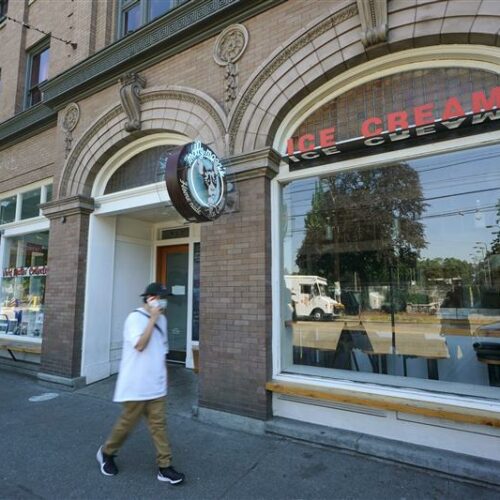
[(485, 58), (344, 381), (18, 222)]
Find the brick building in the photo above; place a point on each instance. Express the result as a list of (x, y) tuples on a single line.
[(353, 280)]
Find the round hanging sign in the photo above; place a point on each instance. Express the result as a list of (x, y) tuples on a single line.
[(196, 182)]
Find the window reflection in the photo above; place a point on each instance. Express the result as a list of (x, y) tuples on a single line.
[(8, 209), (39, 72), (22, 295), (408, 257), (30, 204), (159, 7), (132, 19)]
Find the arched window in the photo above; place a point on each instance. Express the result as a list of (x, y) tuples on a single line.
[(147, 167)]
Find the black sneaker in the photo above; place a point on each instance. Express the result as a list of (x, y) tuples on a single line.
[(108, 466), (170, 475)]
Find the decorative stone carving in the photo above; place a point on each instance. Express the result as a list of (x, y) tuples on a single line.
[(70, 118), (229, 47), (373, 15), (282, 57), (130, 90)]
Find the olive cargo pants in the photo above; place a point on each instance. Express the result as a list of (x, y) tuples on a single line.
[(154, 411)]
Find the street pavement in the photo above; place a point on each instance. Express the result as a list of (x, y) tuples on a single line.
[(48, 447)]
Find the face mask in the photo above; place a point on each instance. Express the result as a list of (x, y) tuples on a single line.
[(162, 303)]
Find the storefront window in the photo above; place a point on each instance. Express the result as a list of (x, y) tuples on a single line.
[(31, 200), (393, 273), (23, 285)]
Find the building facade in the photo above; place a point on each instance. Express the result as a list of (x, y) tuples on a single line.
[(353, 280)]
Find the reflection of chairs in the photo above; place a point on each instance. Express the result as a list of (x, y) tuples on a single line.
[(489, 353), (349, 341)]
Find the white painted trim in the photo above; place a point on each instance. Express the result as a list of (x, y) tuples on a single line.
[(475, 440), (26, 226), (90, 368), (276, 267), (130, 150), (19, 202), (439, 56), (133, 199), (417, 395), (27, 187), (135, 241)]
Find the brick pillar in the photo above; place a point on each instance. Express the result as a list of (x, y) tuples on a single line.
[(65, 292), (235, 295)]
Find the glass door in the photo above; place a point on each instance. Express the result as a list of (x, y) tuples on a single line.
[(172, 270)]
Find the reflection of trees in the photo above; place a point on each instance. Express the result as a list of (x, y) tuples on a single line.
[(446, 269), (359, 221)]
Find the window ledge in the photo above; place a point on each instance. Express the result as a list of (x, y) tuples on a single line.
[(443, 410)]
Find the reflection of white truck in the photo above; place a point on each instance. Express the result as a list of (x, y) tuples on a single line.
[(309, 297)]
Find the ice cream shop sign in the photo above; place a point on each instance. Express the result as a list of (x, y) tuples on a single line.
[(396, 128)]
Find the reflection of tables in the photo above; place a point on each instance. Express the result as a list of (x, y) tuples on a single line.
[(411, 341)]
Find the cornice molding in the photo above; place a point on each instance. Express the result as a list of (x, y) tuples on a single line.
[(24, 124), (261, 163), (74, 205), (172, 33)]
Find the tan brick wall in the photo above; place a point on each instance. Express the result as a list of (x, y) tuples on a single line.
[(27, 162), (235, 306), (84, 22), (105, 23), (12, 45), (64, 299)]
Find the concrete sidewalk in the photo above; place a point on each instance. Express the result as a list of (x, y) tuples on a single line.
[(47, 451)]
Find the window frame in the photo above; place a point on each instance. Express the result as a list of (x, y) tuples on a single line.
[(354, 381), (123, 6), (42, 185), (34, 51)]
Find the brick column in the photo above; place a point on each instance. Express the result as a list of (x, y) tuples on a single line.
[(65, 292), (235, 295)]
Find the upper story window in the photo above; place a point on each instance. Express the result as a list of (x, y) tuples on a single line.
[(38, 71), (24, 204), (3, 8), (136, 13)]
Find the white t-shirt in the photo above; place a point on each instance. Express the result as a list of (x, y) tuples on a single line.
[(143, 374)]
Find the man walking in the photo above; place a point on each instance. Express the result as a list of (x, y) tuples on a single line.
[(142, 384)]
